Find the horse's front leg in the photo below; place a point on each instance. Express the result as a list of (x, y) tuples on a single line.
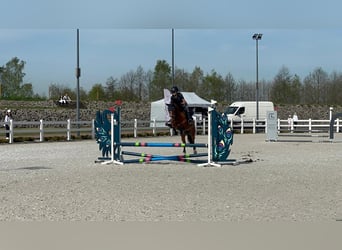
[(195, 150), (192, 141), (183, 141)]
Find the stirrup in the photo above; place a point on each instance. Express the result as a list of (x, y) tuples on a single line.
[(168, 123)]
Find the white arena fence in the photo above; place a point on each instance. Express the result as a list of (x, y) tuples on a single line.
[(42, 129)]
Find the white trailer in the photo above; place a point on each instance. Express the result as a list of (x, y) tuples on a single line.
[(247, 110)]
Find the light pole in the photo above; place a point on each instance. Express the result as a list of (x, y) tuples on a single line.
[(78, 75), (173, 58), (257, 37), (0, 80)]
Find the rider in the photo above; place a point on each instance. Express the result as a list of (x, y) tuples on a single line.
[(178, 99)]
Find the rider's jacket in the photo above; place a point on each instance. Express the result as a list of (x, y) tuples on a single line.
[(178, 99)]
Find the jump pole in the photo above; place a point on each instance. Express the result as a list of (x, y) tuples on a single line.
[(151, 157), (160, 144), (147, 160)]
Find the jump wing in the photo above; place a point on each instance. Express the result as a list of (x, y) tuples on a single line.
[(102, 132)]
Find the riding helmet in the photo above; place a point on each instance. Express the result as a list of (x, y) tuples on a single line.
[(174, 89)]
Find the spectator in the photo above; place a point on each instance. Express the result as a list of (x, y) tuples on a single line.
[(8, 117), (66, 99), (289, 120), (61, 100), (295, 120)]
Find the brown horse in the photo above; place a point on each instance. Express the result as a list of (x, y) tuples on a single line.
[(180, 122)]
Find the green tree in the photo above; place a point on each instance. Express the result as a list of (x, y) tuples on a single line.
[(97, 93), (245, 91), (281, 89), (128, 85), (182, 80), (264, 90), (11, 79), (26, 91), (229, 89), (58, 90), (196, 79), (109, 89), (161, 80), (334, 90), (316, 87), (54, 91), (83, 94), (213, 87), (296, 88), (141, 78), (1, 72)]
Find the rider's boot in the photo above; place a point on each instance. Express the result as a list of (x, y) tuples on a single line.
[(168, 123), (188, 116)]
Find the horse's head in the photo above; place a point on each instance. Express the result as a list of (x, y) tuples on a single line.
[(178, 117)]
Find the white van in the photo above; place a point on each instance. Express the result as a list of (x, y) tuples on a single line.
[(247, 110)]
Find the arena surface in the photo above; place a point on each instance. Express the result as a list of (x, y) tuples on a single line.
[(60, 181)]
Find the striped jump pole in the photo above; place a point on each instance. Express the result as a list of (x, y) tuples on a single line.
[(146, 160), (183, 156), (150, 157), (160, 144)]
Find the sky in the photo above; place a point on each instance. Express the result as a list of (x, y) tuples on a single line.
[(119, 36)]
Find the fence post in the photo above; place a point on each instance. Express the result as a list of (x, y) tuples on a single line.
[(154, 126), (195, 123), (254, 124), (41, 130), (135, 127), (92, 129), (310, 125), (68, 130), (278, 124), (203, 126), (337, 125), (11, 131), (241, 130), (265, 126)]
